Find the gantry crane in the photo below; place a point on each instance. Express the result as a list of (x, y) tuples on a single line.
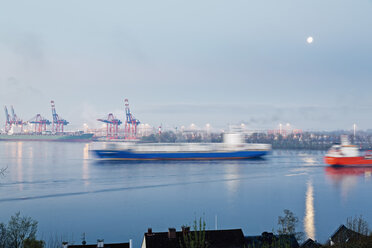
[(131, 123), (40, 123), (58, 122), (112, 129), (8, 121), (16, 120), (12, 120)]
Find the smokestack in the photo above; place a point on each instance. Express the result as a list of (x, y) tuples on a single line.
[(130, 243), (100, 243), (171, 233), (64, 244)]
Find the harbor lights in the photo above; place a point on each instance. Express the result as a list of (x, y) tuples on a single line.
[(208, 127), (85, 127), (288, 128)]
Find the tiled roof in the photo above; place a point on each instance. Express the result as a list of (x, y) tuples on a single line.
[(344, 234), (309, 243), (214, 238), (118, 245), (267, 239)]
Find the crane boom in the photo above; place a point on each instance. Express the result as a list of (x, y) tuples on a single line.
[(7, 117), (58, 122), (112, 126), (131, 123)]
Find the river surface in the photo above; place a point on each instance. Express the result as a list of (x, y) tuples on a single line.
[(63, 187)]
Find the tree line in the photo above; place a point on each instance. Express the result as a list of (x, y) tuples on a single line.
[(20, 232)]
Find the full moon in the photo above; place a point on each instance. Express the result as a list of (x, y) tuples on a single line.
[(309, 39)]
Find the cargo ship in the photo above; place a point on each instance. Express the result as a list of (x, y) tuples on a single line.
[(233, 147), (346, 154), (48, 136)]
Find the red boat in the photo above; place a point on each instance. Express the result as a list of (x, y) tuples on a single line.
[(347, 155)]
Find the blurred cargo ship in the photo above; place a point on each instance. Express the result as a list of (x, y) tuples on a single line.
[(233, 147), (48, 136)]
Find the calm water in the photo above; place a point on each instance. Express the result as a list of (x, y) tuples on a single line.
[(69, 193)]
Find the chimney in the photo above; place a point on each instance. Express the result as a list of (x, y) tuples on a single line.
[(149, 230), (171, 233), (185, 230), (100, 243), (64, 244)]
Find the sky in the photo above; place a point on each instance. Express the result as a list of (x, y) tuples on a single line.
[(181, 62)]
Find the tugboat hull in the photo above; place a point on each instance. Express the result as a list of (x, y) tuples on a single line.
[(348, 161)]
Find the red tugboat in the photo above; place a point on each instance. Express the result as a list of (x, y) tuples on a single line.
[(346, 154)]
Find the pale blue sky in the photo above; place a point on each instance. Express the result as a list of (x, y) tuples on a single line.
[(182, 62)]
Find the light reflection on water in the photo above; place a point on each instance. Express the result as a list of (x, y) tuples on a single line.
[(346, 179), (19, 163), (85, 173), (309, 220), (68, 192), (232, 172)]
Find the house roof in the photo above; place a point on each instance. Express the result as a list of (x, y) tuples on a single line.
[(266, 239), (117, 245), (309, 243), (344, 234), (233, 238)]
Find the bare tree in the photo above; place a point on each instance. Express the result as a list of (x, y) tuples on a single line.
[(19, 229), (358, 224), (2, 171), (287, 225)]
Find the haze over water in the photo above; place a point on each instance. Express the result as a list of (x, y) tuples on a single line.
[(183, 62), (63, 187)]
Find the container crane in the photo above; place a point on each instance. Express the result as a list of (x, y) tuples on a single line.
[(131, 123), (8, 121), (15, 119), (40, 123), (12, 120), (112, 129), (58, 122)]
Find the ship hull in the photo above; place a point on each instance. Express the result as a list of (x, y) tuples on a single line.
[(128, 155), (348, 161), (35, 137)]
